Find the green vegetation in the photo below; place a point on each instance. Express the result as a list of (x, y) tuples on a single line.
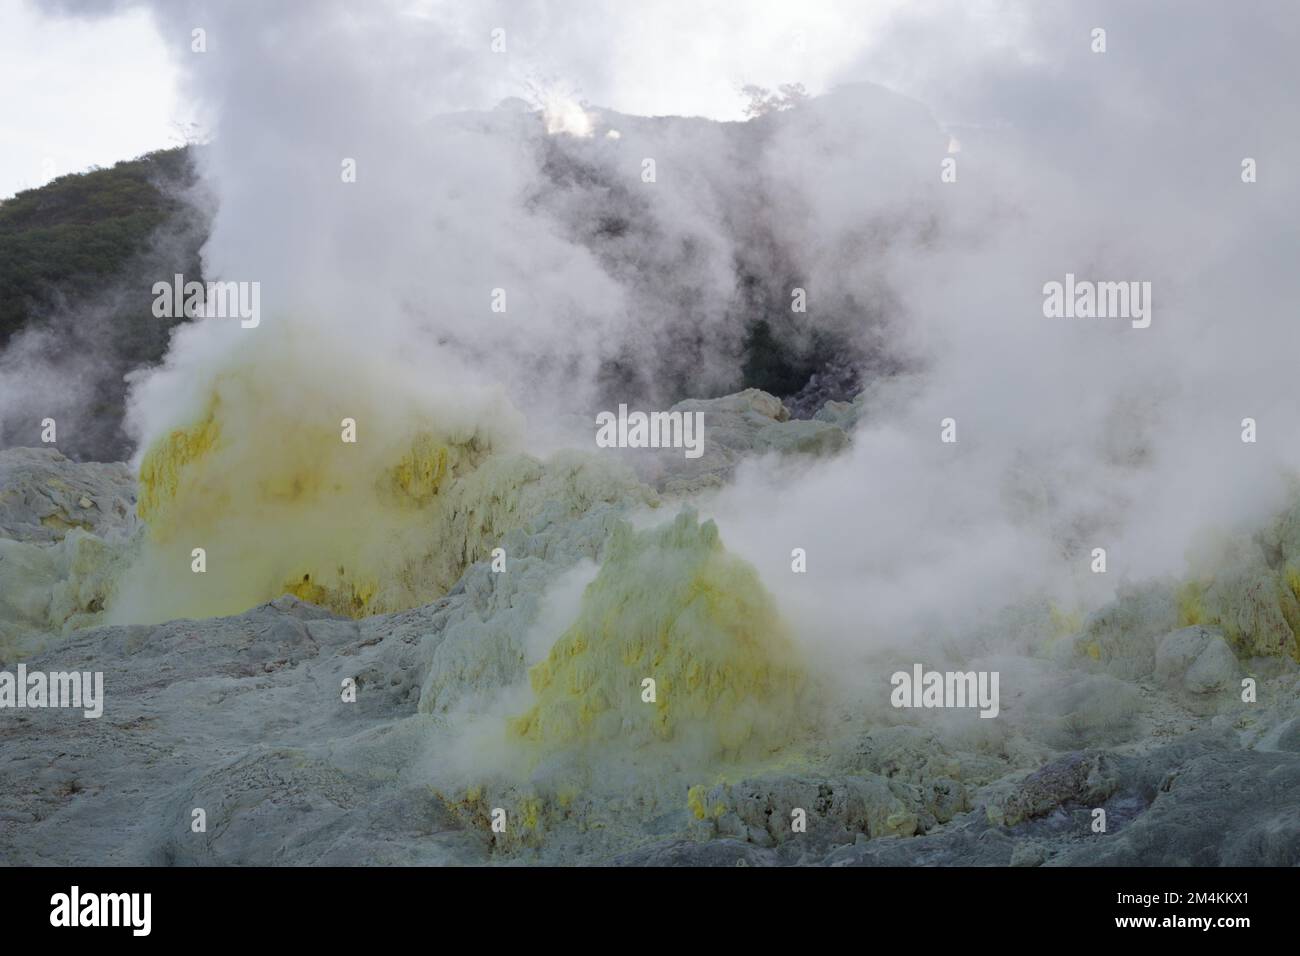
[(78, 260), (73, 236)]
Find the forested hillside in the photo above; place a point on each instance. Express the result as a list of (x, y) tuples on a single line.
[(78, 258)]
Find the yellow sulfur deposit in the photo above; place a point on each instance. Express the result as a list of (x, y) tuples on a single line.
[(1256, 609), (263, 481), (1064, 622), (296, 510), (670, 605), (1191, 604), (163, 465), (1291, 609), (420, 472), (259, 475), (697, 801)]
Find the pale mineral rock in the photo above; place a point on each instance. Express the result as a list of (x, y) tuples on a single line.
[(520, 690)]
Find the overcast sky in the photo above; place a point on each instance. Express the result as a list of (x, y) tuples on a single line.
[(80, 93), (93, 83)]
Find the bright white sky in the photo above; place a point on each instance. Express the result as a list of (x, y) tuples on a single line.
[(89, 91), (76, 93)]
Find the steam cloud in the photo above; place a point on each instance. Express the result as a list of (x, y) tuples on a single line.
[(1072, 434)]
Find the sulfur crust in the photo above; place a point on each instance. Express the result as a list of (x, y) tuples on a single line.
[(165, 463), (321, 504), (261, 478), (670, 604)]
